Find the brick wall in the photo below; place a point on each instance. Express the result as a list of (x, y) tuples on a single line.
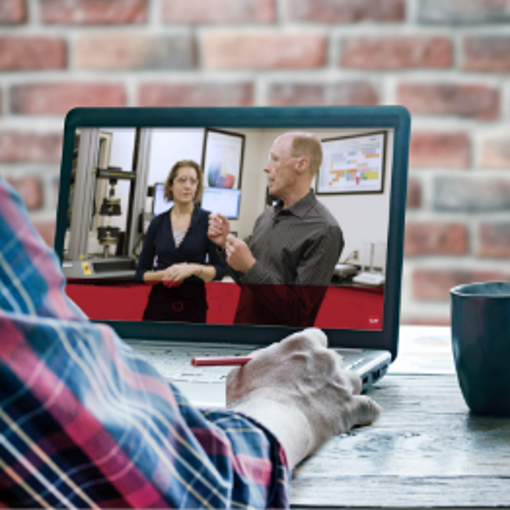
[(446, 60)]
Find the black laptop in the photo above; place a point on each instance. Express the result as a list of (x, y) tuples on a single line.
[(114, 166)]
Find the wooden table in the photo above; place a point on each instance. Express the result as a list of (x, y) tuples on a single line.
[(426, 450)]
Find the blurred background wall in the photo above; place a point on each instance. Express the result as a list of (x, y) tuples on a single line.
[(445, 60)]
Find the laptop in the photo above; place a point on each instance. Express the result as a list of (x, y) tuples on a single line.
[(115, 162)]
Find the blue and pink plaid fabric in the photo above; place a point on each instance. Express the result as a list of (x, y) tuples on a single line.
[(85, 422)]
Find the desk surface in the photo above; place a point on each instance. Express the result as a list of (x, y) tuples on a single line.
[(426, 450)]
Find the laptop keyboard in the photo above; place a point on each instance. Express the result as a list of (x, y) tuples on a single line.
[(174, 362)]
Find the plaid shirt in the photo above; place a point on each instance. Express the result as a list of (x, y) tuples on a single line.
[(85, 422)]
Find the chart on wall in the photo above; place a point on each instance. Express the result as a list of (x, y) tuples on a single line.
[(353, 164), (223, 158)]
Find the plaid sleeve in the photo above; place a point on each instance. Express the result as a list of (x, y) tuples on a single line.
[(31, 281), (85, 422)]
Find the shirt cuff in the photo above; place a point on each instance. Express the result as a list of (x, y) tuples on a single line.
[(255, 274), (280, 495)]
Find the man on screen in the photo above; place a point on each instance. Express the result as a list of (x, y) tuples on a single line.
[(290, 257)]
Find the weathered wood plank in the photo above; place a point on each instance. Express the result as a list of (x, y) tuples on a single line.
[(427, 449), (403, 492)]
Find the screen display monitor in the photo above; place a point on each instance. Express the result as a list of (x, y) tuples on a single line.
[(356, 186), (160, 204), (223, 201)]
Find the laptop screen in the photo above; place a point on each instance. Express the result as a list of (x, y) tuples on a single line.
[(113, 200)]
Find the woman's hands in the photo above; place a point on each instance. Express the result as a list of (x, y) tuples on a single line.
[(177, 273)]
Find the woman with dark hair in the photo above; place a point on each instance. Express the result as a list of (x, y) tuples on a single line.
[(177, 256)]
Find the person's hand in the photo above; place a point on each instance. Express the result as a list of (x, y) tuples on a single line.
[(219, 229), (300, 391), (239, 256), (175, 274)]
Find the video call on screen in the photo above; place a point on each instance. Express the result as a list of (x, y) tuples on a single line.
[(117, 189)]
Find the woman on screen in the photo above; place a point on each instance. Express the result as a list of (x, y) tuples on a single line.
[(177, 256)]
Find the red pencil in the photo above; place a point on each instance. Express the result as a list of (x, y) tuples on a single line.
[(220, 361)]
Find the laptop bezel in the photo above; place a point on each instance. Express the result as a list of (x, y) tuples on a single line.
[(396, 118)]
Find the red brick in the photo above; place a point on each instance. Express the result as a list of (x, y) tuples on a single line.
[(436, 239), (345, 93), (26, 53), (435, 284), (46, 231), (413, 193), (13, 12), (219, 11), (495, 240), (96, 12), (134, 51), (489, 53), (396, 52), (345, 11), (463, 193), (20, 147), (439, 150), (477, 101), (196, 94), (425, 320), (496, 153), (59, 98), (463, 11), (30, 190), (264, 50)]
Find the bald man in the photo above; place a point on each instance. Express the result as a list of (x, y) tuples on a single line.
[(290, 257)]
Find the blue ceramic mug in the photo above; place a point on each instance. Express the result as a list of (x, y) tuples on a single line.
[(480, 314)]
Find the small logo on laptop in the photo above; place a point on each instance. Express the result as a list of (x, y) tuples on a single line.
[(374, 320)]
